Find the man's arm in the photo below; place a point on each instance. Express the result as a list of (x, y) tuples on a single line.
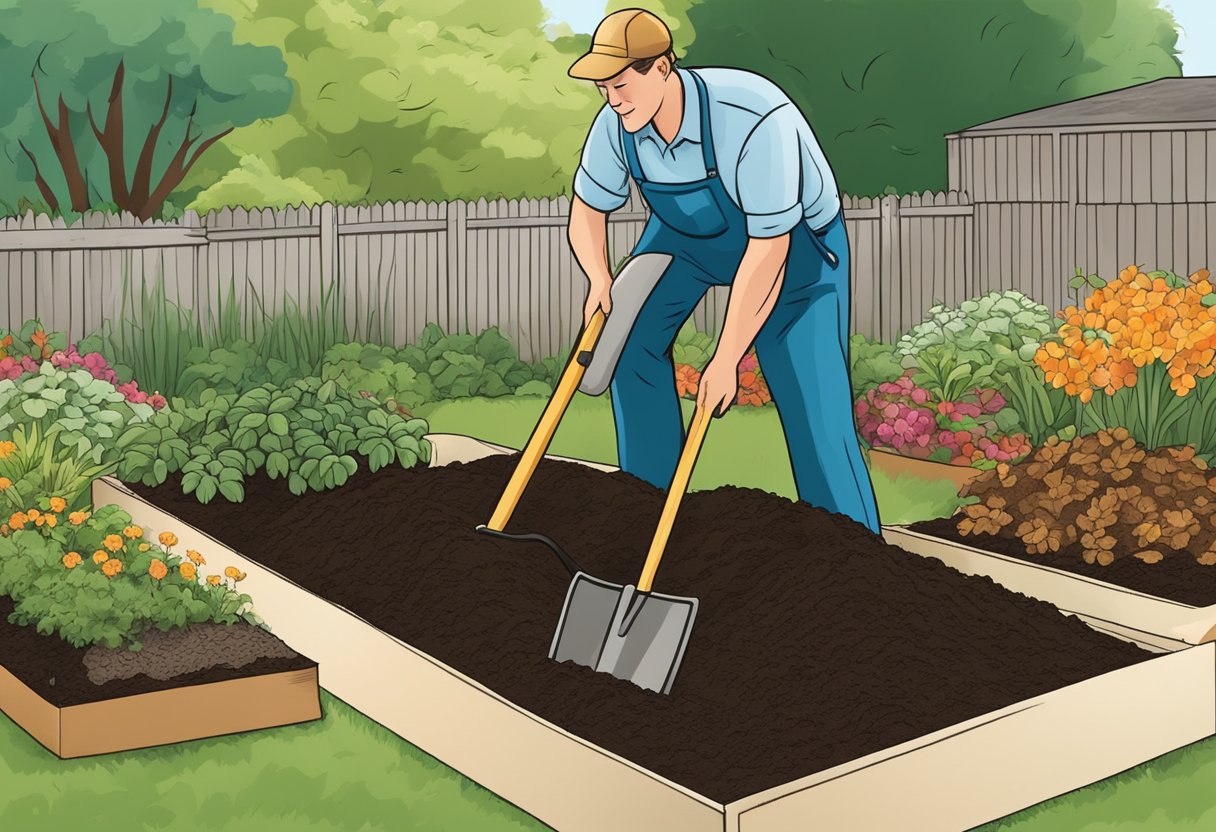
[(588, 236)]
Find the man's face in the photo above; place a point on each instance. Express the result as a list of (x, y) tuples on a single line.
[(636, 96)]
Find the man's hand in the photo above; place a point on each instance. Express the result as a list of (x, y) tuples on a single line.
[(719, 386), (598, 297)]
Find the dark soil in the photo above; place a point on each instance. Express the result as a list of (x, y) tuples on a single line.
[(56, 670), (1179, 579), (816, 643)]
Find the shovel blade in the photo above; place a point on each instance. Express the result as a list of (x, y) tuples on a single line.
[(639, 637)]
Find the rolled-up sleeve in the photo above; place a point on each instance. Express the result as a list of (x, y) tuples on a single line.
[(602, 179), (770, 175)]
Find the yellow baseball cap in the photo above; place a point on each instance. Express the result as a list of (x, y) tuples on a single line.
[(622, 38)]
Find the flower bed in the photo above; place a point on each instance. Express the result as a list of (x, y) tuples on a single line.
[(755, 726), (104, 651)]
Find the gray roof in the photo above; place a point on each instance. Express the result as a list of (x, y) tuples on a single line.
[(1168, 100)]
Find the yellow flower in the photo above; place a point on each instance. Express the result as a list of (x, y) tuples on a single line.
[(112, 542), (71, 560), (33, 514), (188, 571), (78, 517), (234, 573), (5, 483), (158, 570), (168, 539), (58, 504), (7, 449), (100, 557), (214, 580), (198, 559), (143, 547), (133, 532), (111, 567)]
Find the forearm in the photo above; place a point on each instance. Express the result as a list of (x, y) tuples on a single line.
[(588, 236), (753, 295)]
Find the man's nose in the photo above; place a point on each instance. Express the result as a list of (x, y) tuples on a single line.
[(614, 100)]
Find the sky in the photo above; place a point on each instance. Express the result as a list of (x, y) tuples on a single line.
[(1196, 41)]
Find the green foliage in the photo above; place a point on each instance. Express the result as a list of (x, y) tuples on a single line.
[(882, 81), (84, 605), (35, 463), (85, 414), (230, 369), (872, 362), (439, 366), (73, 49), (1004, 328), (307, 432), (692, 346), (396, 100)]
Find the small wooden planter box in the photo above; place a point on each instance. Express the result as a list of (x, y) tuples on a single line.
[(1118, 610), (149, 719), (955, 778)]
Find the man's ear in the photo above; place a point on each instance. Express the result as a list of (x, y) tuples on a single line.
[(664, 66)]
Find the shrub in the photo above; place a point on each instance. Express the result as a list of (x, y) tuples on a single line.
[(998, 328), (872, 362), (34, 463), (1146, 341), (96, 578), (307, 432)]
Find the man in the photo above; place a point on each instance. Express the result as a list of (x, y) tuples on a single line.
[(740, 194)]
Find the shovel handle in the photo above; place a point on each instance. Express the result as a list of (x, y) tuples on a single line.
[(679, 484), (538, 443)]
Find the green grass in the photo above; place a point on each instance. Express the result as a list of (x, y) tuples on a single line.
[(746, 447), (343, 773)]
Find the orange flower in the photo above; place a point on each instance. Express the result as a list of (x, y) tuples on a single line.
[(188, 571), (112, 542), (58, 504), (7, 449), (49, 519), (214, 580), (78, 517), (18, 520), (33, 513), (133, 532), (111, 567), (100, 557), (168, 539), (5, 483), (234, 573), (198, 559), (71, 560), (158, 570), (39, 338), (688, 380)]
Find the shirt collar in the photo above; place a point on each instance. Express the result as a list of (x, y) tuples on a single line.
[(690, 123)]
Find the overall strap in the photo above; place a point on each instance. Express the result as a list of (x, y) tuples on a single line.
[(629, 145), (707, 138)]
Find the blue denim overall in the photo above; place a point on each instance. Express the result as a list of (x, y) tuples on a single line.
[(803, 346)]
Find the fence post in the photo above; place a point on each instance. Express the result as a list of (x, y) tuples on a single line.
[(329, 244), (457, 290), (889, 280)]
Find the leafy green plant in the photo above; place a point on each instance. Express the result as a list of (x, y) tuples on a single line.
[(873, 362), (1081, 280), (692, 347), (233, 368), (948, 376), (86, 413), (34, 462), (1043, 410), (95, 578), (999, 328)]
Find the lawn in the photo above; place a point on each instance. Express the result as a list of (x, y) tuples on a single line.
[(346, 773)]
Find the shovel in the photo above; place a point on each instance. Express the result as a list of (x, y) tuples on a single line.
[(629, 631), (589, 369)]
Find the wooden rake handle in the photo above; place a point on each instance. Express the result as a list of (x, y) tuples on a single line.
[(538, 443), (679, 484)]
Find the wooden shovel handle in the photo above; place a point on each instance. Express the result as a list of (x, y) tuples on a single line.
[(679, 484), (538, 443)]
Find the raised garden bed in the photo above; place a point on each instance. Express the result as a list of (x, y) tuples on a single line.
[(819, 674), (897, 465), (1170, 598), (204, 681)]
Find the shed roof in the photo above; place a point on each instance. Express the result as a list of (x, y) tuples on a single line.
[(1167, 100)]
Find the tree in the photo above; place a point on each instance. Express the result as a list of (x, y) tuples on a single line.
[(405, 100), (116, 102), (882, 81)]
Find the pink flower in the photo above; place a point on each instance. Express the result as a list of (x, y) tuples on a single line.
[(885, 432), (157, 401), (749, 363)]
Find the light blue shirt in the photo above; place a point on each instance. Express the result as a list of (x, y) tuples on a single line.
[(768, 157)]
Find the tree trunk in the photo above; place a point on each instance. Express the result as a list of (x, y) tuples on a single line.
[(177, 170), (111, 140), (65, 150), (43, 187), (142, 181)]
